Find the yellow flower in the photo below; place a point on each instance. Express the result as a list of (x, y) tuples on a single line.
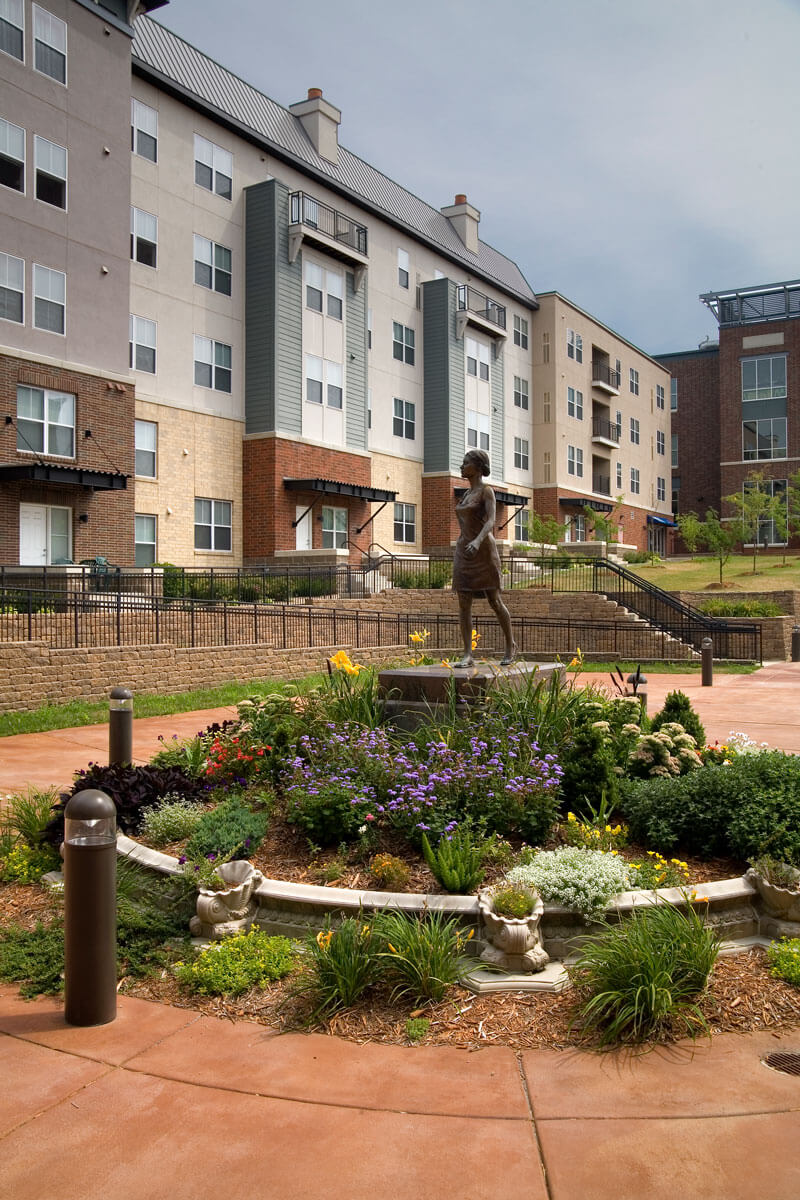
[(476, 637), (324, 938), (391, 947), (571, 816)]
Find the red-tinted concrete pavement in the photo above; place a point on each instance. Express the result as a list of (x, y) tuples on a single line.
[(166, 1102)]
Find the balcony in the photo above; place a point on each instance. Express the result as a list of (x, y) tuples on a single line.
[(606, 432), (601, 484), (604, 378), (476, 309), (331, 230)]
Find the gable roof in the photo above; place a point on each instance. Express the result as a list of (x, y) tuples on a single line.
[(168, 61)]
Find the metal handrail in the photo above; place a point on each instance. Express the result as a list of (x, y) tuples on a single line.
[(602, 371), (314, 214)]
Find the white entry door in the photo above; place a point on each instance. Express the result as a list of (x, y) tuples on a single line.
[(303, 528), (32, 535)]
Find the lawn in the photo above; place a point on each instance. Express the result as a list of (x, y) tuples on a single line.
[(702, 573)]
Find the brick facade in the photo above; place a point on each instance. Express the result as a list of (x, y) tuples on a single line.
[(105, 408), (631, 522), (697, 426)]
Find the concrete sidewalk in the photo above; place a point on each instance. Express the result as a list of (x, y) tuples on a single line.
[(167, 1102)]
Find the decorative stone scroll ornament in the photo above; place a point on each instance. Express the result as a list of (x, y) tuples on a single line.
[(514, 943), (221, 914)]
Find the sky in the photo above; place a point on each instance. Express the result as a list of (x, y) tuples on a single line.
[(630, 154)]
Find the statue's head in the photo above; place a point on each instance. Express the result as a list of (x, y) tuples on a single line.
[(480, 458)]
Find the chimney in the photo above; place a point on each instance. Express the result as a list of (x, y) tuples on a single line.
[(321, 122), (464, 219)]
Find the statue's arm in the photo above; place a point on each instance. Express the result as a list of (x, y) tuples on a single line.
[(488, 525)]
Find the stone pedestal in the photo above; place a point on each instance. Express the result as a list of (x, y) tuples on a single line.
[(415, 693)]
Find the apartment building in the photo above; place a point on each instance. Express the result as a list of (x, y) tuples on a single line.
[(735, 403), (601, 428), (228, 340)]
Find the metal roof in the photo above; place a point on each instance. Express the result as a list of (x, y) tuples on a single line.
[(750, 306), (166, 59)]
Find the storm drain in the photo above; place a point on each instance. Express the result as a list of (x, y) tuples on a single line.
[(788, 1063)]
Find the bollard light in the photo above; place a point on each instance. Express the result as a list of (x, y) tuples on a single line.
[(120, 726), (638, 680), (796, 643), (90, 909), (706, 662)]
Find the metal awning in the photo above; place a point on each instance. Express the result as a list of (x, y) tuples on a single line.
[(98, 481), (653, 520), (585, 502), (332, 487), (507, 498)]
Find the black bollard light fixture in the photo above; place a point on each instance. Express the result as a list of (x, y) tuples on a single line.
[(706, 662), (120, 726), (90, 909)]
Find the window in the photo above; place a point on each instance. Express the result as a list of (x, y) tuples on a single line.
[(635, 480), (764, 378), (520, 393), (659, 396), (212, 364), (574, 461), (676, 492), (545, 347), (404, 422), (145, 539), (402, 279), (619, 477), (674, 449), (477, 358), (212, 525), (574, 345), (212, 266), (145, 437), (334, 528), (314, 379), (335, 297), (319, 283), (333, 376), (635, 431), (765, 438), (12, 28), (45, 421), (661, 440), (578, 523), (673, 395), (633, 381), (546, 409), (574, 404), (49, 299), (546, 462), (521, 529), (50, 162), (405, 522), (521, 454), (520, 332), (402, 343), (49, 45), (144, 131), (143, 344), (144, 237), (12, 289), (477, 430), (323, 380), (767, 532), (12, 156), (369, 408), (213, 167), (661, 488)]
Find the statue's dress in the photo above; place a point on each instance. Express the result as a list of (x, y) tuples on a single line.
[(481, 573)]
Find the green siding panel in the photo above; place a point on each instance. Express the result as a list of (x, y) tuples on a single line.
[(356, 364), (443, 378), (497, 440)]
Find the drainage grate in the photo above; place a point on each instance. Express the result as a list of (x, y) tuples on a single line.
[(789, 1063)]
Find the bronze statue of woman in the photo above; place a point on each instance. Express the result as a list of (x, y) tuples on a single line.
[(476, 563)]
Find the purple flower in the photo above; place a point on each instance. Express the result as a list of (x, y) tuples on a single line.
[(182, 860)]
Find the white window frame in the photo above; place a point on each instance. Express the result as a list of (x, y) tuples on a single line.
[(144, 231), (774, 391), (673, 395), (49, 426), (660, 395), (12, 281), (213, 158), (547, 464), (477, 356), (207, 351), (143, 336), (574, 345), (574, 403), (674, 450), (520, 332), (521, 393), (211, 256), (768, 443), (521, 454), (619, 476), (334, 527), (633, 380), (47, 281), (575, 461), (768, 524), (9, 132), (403, 343), (635, 431), (12, 12), (54, 168), (635, 482), (50, 32), (404, 419), (403, 268), (328, 376), (144, 121), (145, 433), (220, 529), (661, 488), (477, 430), (522, 532), (405, 523), (139, 526), (661, 442)]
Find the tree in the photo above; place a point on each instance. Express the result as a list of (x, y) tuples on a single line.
[(757, 510), (604, 525), (544, 528), (718, 538), (691, 528)]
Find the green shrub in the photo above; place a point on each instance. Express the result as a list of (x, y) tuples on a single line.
[(231, 966), (27, 814), (27, 864), (340, 965), (678, 710), (456, 862), (170, 821), (133, 789), (191, 755), (33, 958), (389, 873), (420, 955), (231, 830), (643, 976), (784, 960), (741, 608), (779, 874), (587, 760), (668, 751), (582, 880), (515, 902), (417, 1028)]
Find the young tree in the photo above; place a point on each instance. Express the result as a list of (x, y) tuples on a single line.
[(604, 525), (691, 528), (756, 508), (717, 538), (544, 528)]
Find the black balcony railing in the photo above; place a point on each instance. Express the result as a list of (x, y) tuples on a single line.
[(602, 373), (601, 484), (603, 428), (469, 299), (307, 210)]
